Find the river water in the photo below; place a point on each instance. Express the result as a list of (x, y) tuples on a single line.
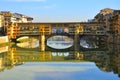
[(26, 61)]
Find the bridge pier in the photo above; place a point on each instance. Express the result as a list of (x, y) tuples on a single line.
[(42, 43)]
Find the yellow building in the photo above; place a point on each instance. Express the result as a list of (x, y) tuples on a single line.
[(1, 20), (8, 20)]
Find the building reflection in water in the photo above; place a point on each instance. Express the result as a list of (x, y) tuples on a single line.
[(107, 60)]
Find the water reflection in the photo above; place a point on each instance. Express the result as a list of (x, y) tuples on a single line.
[(29, 43), (33, 64), (3, 49), (72, 63), (60, 53)]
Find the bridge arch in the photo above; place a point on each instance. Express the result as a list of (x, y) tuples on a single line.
[(59, 42)]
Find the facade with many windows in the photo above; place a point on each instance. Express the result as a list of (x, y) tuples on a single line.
[(8, 22), (8, 19), (111, 18)]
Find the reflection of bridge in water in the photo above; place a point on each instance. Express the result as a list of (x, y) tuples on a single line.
[(18, 55), (105, 60), (74, 30)]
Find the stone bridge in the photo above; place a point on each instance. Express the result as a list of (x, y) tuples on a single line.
[(56, 28), (44, 31)]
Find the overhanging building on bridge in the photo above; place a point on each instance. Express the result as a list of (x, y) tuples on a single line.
[(60, 28)]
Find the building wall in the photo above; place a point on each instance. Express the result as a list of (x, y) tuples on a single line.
[(24, 19), (115, 24), (1, 20), (8, 19), (3, 39)]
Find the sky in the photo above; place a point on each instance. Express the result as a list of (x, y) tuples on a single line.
[(58, 10)]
